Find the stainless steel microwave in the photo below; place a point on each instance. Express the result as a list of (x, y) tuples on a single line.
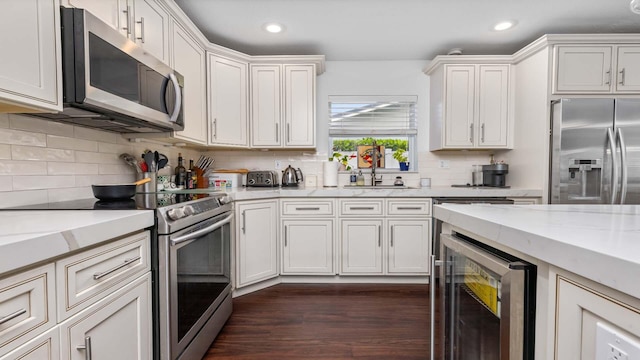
[(111, 83)]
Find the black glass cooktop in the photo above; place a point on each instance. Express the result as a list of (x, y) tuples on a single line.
[(141, 201)]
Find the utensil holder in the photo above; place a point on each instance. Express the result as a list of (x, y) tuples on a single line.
[(151, 186), (202, 184)]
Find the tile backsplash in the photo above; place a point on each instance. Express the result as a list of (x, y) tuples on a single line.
[(44, 161)]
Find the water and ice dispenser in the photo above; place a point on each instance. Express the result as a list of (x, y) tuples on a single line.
[(585, 179)]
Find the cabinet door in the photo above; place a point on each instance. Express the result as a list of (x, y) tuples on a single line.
[(117, 327), (307, 247), (459, 106), (409, 246), (43, 347), (300, 105), (188, 58), (361, 247), (151, 30), (30, 33), (227, 102), (583, 69), (628, 71), (112, 12), (257, 242), (266, 109), (493, 106)]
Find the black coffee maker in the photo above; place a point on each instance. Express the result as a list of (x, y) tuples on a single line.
[(494, 175)]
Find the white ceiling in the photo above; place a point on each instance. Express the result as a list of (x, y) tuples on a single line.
[(399, 29)]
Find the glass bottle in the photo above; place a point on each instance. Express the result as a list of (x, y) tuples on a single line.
[(181, 173), (360, 179)]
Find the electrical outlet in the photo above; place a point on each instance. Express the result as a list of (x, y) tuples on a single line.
[(612, 344), (444, 164), (278, 164)]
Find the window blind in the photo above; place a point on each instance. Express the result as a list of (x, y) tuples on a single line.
[(373, 115)]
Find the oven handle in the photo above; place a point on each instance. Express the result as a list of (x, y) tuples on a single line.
[(198, 233)]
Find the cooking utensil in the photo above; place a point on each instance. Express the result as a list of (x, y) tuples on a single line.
[(131, 161), (150, 159), (117, 192)]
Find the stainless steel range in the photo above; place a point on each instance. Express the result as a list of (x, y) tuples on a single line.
[(193, 289)]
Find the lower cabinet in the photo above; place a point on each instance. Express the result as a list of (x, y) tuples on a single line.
[(361, 246), (44, 347), (307, 247), (256, 241), (408, 246), (116, 327)]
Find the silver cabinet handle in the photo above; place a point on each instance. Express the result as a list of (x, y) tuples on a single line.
[(391, 235), (86, 347), (98, 276), (214, 131), (285, 235), (277, 132), (178, 94), (482, 133), (622, 72), (308, 208), (141, 22), (379, 236), (288, 134), (361, 208), (244, 223), (10, 317), (409, 208), (608, 82), (471, 133), (614, 166), (128, 27), (623, 165)]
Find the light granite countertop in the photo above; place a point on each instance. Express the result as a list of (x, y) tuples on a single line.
[(598, 242), (266, 193), (30, 236)]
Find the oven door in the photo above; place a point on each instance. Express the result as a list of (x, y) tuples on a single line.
[(483, 312), (198, 279)]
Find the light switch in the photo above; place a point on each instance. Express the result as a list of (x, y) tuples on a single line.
[(611, 344)]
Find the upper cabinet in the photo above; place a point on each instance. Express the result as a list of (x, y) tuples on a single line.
[(228, 98), (471, 106), (188, 58), (283, 106), (596, 69), (30, 78), (143, 21)]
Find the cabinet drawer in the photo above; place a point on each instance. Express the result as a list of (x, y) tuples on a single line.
[(42, 347), (409, 207), (302, 208), (361, 207), (26, 306), (85, 278)]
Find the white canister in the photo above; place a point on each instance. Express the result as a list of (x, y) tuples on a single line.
[(330, 173)]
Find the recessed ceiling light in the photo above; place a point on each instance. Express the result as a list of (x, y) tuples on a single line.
[(503, 25), (274, 28)]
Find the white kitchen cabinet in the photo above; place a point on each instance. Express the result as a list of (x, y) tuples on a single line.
[(188, 59), (30, 78), (597, 69), (256, 241), (116, 327), (227, 84), (409, 246), (471, 107), (307, 247), (282, 106), (361, 247), (590, 322), (144, 21), (43, 347)]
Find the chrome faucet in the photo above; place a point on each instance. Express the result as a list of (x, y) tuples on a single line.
[(374, 163)]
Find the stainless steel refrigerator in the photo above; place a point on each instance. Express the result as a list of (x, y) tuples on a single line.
[(595, 151)]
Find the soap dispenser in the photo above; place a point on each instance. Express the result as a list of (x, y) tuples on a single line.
[(398, 181)]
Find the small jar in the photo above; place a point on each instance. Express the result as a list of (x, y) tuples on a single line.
[(398, 181), (360, 179), (353, 178)]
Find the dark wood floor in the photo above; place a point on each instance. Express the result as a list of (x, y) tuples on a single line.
[(327, 321)]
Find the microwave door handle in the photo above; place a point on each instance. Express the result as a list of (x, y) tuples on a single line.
[(198, 233), (614, 166), (623, 165), (178, 103)]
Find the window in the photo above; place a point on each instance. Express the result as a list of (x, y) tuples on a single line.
[(389, 120)]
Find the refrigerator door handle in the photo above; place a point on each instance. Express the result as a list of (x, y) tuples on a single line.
[(623, 164), (432, 301), (614, 166)]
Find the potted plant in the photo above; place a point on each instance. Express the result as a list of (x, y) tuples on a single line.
[(342, 159), (400, 156)]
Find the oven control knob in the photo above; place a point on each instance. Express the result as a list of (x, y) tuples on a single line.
[(175, 214), (225, 200), (188, 210)]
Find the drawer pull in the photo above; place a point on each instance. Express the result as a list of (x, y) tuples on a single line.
[(10, 317), (409, 208), (362, 208), (98, 276), (86, 347), (308, 208)]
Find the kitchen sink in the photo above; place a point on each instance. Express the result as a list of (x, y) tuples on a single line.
[(380, 187)]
